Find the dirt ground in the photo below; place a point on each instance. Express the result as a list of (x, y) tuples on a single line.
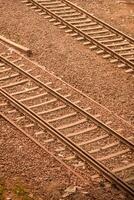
[(29, 173), (78, 66)]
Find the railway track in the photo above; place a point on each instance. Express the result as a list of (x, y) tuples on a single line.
[(98, 35), (59, 121)]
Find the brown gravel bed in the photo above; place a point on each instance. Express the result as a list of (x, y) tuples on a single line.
[(80, 67), (63, 61)]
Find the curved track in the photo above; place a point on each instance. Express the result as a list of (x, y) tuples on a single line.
[(110, 42), (53, 109)]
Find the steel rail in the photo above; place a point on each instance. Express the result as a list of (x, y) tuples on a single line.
[(113, 53), (82, 154), (40, 145), (71, 104)]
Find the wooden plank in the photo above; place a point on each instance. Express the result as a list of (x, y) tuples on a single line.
[(16, 46)]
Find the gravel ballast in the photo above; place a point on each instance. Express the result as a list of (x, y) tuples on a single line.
[(78, 66)]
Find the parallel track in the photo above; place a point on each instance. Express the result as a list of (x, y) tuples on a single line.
[(107, 40), (74, 126)]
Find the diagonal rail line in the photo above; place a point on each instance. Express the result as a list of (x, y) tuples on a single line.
[(71, 104), (82, 154)]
